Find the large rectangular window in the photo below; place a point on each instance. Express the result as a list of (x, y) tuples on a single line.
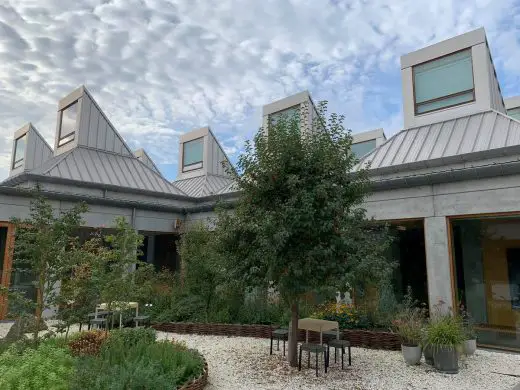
[(192, 154), (68, 124), (19, 151), (362, 148), (445, 82), (514, 113), (287, 114), (486, 253)]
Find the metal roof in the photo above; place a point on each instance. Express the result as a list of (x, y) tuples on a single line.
[(101, 167), (204, 185), (470, 137)]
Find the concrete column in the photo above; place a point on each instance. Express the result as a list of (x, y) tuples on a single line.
[(150, 251), (438, 265)]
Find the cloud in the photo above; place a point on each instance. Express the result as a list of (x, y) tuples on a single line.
[(159, 68)]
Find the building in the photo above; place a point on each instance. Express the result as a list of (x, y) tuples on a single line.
[(448, 183)]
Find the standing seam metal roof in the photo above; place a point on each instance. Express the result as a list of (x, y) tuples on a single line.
[(439, 143), (102, 167), (204, 185)]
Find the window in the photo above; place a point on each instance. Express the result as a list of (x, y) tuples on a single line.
[(68, 124), (19, 151), (362, 148), (514, 113), (445, 82), (192, 152), (287, 114)]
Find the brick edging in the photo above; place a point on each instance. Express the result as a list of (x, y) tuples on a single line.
[(358, 338)]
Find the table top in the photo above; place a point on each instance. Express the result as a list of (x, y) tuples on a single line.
[(317, 325), (119, 305)]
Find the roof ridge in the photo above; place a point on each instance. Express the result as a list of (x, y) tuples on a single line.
[(168, 183), (58, 160)]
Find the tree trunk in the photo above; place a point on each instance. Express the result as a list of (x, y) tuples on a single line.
[(292, 353), (39, 308)]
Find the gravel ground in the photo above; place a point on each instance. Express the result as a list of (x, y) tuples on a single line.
[(245, 363)]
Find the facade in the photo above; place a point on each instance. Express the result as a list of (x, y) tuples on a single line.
[(448, 183)]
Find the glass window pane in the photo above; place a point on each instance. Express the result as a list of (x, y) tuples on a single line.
[(19, 151), (287, 114), (362, 148), (446, 102), (192, 152), (514, 113), (68, 124), (487, 273), (445, 76)]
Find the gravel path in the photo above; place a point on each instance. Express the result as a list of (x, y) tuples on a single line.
[(245, 363)]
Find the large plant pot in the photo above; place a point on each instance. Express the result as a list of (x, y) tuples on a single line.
[(428, 355), (412, 354), (446, 359), (469, 347)]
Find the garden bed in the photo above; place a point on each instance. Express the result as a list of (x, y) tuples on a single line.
[(375, 339)]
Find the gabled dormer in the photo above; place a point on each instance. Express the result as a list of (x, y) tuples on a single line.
[(30, 150), (300, 104), (146, 160), (363, 143), (449, 79), (201, 154), (513, 107), (81, 122)]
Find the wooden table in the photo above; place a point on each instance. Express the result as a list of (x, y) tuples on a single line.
[(119, 306), (317, 326)]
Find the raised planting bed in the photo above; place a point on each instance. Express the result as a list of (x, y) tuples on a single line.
[(375, 339), (200, 382)]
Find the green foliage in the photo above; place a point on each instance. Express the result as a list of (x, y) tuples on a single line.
[(202, 266), (132, 336), (444, 329), (161, 365), (299, 223), (409, 321), (45, 244), (46, 367), (348, 316)]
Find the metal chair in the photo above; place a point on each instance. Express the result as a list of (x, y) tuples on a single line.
[(339, 344), (144, 319), (279, 334), (316, 349)]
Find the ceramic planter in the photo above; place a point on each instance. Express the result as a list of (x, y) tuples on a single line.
[(428, 355), (412, 354), (469, 347), (446, 359)]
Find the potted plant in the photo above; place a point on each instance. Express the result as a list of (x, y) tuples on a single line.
[(427, 348), (445, 334), (408, 324), (470, 335)]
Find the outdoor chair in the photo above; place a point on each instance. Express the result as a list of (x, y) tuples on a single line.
[(279, 334), (339, 344), (316, 349), (145, 320), (99, 323)]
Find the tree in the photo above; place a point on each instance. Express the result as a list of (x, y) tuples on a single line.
[(299, 223), (202, 268), (44, 246), (118, 273)]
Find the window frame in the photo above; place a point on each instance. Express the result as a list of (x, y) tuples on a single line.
[(201, 162), (18, 163), (73, 133), (472, 90)]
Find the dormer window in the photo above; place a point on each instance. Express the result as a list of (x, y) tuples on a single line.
[(19, 151), (444, 82), (287, 114), (362, 148), (68, 124), (514, 113), (192, 153)]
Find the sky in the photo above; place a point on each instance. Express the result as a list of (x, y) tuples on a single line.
[(161, 68)]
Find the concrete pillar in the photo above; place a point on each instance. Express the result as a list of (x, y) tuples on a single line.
[(150, 251), (438, 265)]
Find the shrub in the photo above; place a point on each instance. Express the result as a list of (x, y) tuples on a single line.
[(132, 336), (46, 367), (347, 316), (160, 365), (87, 343), (409, 321), (445, 329)]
